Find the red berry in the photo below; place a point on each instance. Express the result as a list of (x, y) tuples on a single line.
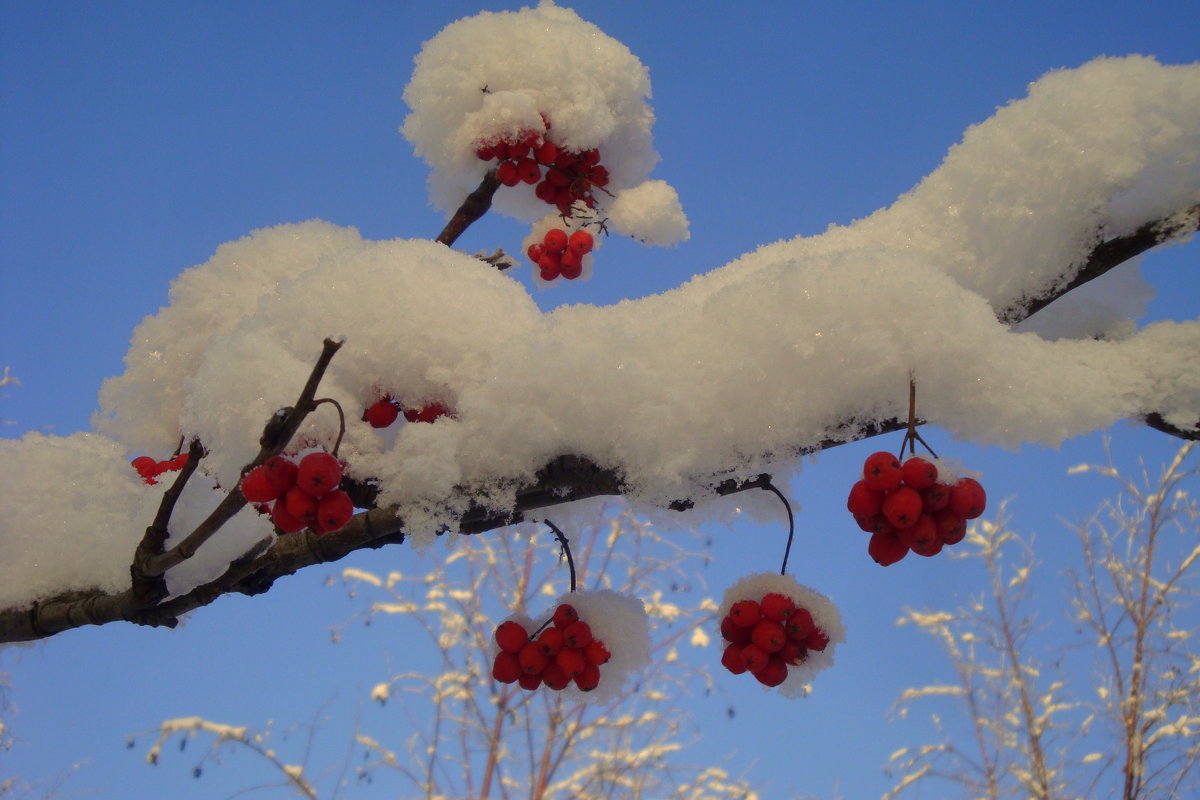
[(863, 500), (577, 634), (500, 148), (588, 679), (426, 413), (935, 498), (511, 636), (754, 657), (817, 640), (318, 473), (799, 625), (732, 632), (768, 635), (557, 178), (547, 153), (921, 534), (886, 549), (793, 652), (554, 677), (281, 472), (505, 668), (530, 681), (773, 673), (555, 240), (875, 524), (381, 414), (529, 171), (506, 173), (518, 150), (256, 486), (733, 660), (550, 265), (564, 615), (546, 192), (967, 498), (919, 473), (902, 506), (284, 519), (571, 660), (581, 242), (571, 265), (776, 606), (951, 527), (596, 653), (535, 252), (300, 504), (929, 549), (144, 465), (485, 152), (746, 613), (334, 510), (532, 659), (882, 471), (548, 275), (551, 641)]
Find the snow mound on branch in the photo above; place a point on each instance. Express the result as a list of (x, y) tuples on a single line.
[(204, 302), (75, 511), (824, 613), (494, 75)]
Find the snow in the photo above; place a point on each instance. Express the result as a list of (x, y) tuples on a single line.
[(728, 375)]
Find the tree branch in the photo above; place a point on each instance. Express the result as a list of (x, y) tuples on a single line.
[(475, 206)]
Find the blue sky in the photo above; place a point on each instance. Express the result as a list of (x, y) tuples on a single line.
[(135, 137)]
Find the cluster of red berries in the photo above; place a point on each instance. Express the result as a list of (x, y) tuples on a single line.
[(570, 176), (560, 254), (150, 468), (561, 653), (304, 495), (905, 507), (382, 413), (768, 636)]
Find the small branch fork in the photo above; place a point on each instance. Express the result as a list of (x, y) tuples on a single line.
[(565, 479)]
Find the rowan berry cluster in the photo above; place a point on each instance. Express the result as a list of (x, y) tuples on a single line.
[(905, 506), (150, 468), (767, 636), (299, 496), (561, 652), (569, 176), (382, 413), (559, 254)]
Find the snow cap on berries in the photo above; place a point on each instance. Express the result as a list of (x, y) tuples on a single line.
[(824, 613), (621, 623), (499, 75)]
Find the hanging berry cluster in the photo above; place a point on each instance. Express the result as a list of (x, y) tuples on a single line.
[(383, 412), (910, 505), (767, 636), (559, 254), (149, 468), (779, 631), (299, 496), (563, 652)]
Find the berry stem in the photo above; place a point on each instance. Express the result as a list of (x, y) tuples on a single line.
[(911, 437), (341, 421), (566, 548), (770, 487)]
